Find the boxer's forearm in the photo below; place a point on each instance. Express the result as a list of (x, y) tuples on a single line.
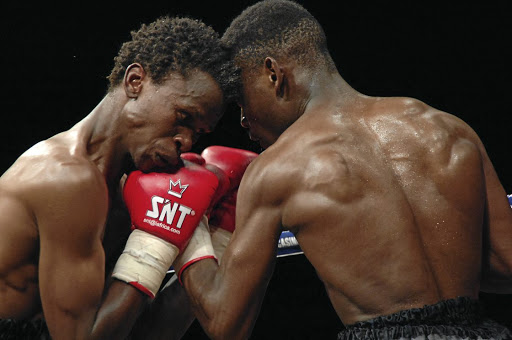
[(122, 305), (168, 316), (224, 306), (197, 281)]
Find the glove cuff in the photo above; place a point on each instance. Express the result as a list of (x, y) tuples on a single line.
[(145, 261), (220, 239), (199, 248)]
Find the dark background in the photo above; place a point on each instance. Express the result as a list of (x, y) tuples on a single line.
[(55, 60)]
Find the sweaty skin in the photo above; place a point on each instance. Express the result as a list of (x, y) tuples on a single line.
[(388, 207), (394, 203), (56, 198)]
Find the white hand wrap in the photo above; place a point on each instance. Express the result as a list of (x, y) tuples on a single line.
[(145, 261), (199, 248), (220, 240)]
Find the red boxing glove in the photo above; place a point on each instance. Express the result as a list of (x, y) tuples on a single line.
[(193, 157), (223, 184), (233, 163), (165, 210), (169, 206)]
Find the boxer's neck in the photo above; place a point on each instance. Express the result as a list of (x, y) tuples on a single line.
[(102, 134)]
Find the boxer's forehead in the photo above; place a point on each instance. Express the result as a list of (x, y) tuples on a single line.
[(198, 94)]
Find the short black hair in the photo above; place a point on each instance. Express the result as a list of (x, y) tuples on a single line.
[(176, 44), (277, 28)]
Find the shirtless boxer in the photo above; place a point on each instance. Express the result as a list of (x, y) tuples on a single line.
[(166, 88), (396, 204)]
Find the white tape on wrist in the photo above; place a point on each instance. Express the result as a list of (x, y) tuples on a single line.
[(145, 261), (220, 240), (199, 248)]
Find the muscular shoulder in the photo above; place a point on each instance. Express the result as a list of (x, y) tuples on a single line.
[(287, 169), (407, 123), (48, 163), (404, 105), (410, 108), (51, 180)]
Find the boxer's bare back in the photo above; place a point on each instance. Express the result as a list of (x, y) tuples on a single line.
[(387, 203)]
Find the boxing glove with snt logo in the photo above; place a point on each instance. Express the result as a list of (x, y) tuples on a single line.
[(165, 209)]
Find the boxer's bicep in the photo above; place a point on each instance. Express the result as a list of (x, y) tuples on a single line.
[(254, 243), (71, 285), (72, 259), (227, 298), (258, 225), (231, 297), (246, 268)]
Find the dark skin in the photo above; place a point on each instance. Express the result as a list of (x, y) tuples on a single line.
[(169, 315), (394, 203), (56, 198)]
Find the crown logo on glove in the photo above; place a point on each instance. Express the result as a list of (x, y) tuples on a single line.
[(176, 189)]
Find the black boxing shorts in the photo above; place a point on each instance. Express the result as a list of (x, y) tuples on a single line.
[(11, 329), (460, 318)]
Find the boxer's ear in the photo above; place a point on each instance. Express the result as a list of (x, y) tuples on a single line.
[(275, 75), (133, 77)]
